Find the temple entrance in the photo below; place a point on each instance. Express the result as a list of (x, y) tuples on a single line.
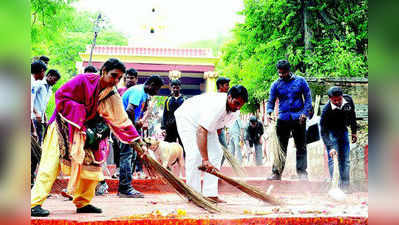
[(192, 66)]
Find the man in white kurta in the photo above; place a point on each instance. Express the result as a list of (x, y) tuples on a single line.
[(199, 119)]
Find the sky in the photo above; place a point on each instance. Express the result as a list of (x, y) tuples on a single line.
[(175, 22)]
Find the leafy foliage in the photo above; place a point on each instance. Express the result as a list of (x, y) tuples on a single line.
[(60, 32), (214, 44), (335, 43)]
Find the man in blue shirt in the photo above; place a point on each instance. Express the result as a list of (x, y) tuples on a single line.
[(133, 101), (290, 90)]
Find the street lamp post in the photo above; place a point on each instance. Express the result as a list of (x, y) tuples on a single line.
[(96, 30)]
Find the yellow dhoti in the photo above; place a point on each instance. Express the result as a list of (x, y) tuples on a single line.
[(49, 169)]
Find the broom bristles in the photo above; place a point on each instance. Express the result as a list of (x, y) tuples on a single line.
[(181, 188), (275, 147), (335, 192), (234, 163), (244, 187), (335, 178)]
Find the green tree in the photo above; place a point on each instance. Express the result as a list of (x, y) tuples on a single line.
[(60, 32), (214, 44), (319, 37)]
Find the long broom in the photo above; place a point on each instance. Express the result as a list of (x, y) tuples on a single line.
[(275, 147), (244, 187), (180, 187), (233, 162), (335, 192)]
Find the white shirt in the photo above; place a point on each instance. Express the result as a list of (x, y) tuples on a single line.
[(41, 93), (336, 107), (313, 121), (207, 110), (32, 82), (236, 127)]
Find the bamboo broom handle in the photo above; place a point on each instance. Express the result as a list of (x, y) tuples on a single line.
[(244, 187)]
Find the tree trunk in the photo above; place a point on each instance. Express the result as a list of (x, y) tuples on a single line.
[(308, 34)]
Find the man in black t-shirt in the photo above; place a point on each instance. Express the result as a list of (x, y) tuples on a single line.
[(337, 115), (254, 133), (173, 102)]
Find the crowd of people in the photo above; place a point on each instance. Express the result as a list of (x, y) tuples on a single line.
[(93, 117)]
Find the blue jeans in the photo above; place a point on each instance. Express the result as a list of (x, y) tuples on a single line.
[(125, 168), (341, 145), (137, 165), (222, 141), (235, 146), (258, 154), (222, 138)]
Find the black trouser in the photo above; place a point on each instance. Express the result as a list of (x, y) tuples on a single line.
[(35, 155), (33, 165), (284, 129), (40, 128), (172, 135)]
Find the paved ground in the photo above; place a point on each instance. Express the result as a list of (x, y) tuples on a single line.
[(238, 206)]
